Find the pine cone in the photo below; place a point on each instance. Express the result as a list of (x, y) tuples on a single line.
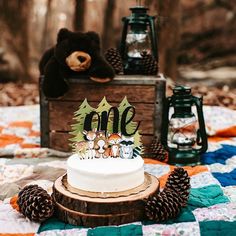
[(149, 64), (156, 151), (179, 182), (163, 206), (35, 203), (113, 57)]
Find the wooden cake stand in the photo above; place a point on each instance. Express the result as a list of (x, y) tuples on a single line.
[(93, 209)]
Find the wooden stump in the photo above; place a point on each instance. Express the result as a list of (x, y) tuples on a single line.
[(93, 209)]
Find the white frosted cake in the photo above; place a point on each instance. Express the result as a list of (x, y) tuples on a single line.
[(105, 174)]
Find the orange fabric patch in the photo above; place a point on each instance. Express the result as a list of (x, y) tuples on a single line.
[(29, 145), (217, 139), (191, 171), (24, 124), (1, 128), (6, 139), (152, 161), (34, 133), (13, 203), (229, 132)]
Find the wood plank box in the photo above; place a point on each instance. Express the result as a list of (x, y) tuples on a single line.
[(146, 93)]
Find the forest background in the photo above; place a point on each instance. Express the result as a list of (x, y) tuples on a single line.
[(196, 41)]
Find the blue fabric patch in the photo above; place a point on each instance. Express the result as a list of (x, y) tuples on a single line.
[(220, 155), (226, 179)]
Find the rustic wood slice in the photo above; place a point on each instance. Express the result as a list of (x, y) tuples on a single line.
[(93, 209)]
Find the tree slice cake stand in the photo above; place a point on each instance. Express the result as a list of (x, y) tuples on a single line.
[(91, 209)]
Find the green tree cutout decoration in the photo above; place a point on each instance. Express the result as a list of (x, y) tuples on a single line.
[(79, 116), (105, 113)]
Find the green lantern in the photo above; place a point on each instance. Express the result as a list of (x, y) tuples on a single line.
[(138, 37), (184, 134)]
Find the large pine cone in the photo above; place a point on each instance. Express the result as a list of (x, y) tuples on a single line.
[(35, 203), (156, 151), (163, 206), (149, 64), (179, 182), (113, 57)]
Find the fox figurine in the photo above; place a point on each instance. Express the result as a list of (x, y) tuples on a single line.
[(114, 141)]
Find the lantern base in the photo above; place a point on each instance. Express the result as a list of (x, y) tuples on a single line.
[(133, 66), (184, 158)]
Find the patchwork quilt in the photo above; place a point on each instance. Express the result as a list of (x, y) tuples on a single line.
[(211, 208)]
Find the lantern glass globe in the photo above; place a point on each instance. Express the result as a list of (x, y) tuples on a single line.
[(182, 133), (138, 43)]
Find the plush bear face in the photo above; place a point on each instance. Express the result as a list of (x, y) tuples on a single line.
[(75, 49)]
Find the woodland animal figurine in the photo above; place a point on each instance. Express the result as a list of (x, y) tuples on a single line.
[(81, 148), (126, 147), (100, 144), (86, 148), (114, 143), (90, 137)]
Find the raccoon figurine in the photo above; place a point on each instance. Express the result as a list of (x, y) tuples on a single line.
[(126, 147)]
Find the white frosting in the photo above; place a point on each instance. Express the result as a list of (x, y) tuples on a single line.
[(105, 175)]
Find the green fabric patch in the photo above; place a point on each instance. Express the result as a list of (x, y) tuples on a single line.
[(128, 230), (217, 228), (53, 224), (206, 196), (185, 215)]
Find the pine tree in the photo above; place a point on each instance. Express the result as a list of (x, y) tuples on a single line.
[(79, 116)]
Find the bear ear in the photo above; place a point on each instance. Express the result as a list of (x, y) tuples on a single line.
[(94, 37), (62, 34)]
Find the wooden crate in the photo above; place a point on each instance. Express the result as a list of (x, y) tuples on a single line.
[(146, 93)]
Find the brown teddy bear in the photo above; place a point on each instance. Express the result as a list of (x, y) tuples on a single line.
[(75, 54)]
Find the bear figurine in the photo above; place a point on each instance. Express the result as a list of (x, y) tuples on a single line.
[(75, 54)]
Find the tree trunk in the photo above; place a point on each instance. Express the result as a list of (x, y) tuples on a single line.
[(168, 31), (108, 39), (15, 16), (80, 8), (46, 34)]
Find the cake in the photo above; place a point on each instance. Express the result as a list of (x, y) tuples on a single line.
[(105, 174), (105, 182)]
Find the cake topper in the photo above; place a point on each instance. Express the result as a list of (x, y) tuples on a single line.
[(106, 131)]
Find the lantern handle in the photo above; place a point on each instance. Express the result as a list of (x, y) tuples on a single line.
[(153, 37), (202, 131), (123, 37), (165, 121)]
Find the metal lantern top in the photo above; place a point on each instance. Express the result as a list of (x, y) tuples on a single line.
[(182, 101)]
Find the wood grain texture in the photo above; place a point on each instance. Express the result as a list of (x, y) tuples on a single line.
[(89, 210), (112, 92), (144, 113), (146, 93)]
